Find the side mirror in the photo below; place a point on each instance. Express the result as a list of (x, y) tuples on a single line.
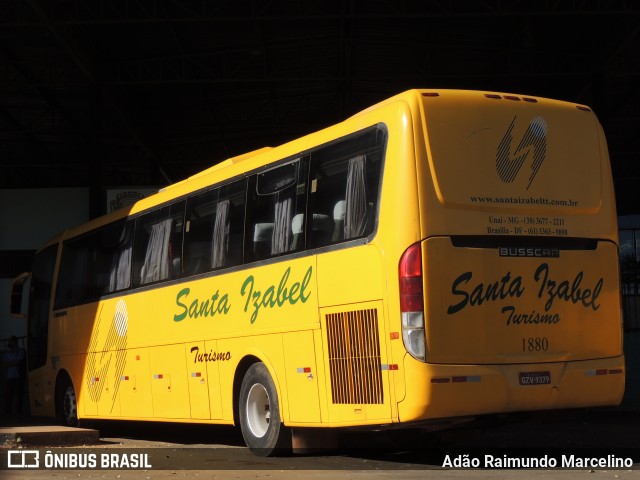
[(17, 293)]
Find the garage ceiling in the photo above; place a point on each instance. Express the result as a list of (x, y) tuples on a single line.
[(107, 93)]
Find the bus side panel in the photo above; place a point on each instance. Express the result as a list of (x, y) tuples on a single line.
[(302, 377), (357, 367), (351, 287), (105, 354), (199, 371), (358, 288), (275, 297), (350, 275), (169, 388), (108, 385), (213, 374), (135, 385)]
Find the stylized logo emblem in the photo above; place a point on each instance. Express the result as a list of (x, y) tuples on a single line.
[(23, 459), (533, 144), (113, 349), (121, 318)]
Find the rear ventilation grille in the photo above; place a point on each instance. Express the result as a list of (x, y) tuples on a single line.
[(354, 357)]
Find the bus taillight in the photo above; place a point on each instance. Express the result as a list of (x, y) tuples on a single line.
[(411, 301)]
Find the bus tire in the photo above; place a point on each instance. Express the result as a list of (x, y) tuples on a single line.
[(67, 403), (259, 411)]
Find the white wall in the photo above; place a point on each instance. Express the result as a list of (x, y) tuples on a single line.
[(28, 218)]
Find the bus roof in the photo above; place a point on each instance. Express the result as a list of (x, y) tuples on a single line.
[(240, 164)]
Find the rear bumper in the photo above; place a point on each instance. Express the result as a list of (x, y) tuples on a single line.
[(440, 391)]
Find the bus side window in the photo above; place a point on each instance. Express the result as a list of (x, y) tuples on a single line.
[(214, 229), (230, 250), (74, 277), (200, 219), (95, 264), (157, 248), (278, 196), (345, 179)]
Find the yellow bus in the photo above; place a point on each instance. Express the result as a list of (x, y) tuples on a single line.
[(442, 254)]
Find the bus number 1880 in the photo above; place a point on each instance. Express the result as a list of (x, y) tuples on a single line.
[(535, 344)]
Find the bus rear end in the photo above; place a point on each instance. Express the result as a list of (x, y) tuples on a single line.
[(518, 264)]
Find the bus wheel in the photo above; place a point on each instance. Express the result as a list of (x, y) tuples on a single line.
[(259, 411), (68, 405)]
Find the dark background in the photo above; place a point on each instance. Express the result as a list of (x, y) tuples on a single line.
[(107, 93)]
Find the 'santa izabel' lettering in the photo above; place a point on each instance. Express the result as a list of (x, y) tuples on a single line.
[(501, 289), (286, 292), (548, 287), (275, 297), (201, 308), (572, 292)]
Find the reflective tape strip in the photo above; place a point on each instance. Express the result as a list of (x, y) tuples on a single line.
[(392, 366)]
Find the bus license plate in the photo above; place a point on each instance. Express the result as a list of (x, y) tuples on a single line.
[(535, 378)]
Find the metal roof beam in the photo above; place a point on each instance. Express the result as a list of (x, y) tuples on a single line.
[(91, 71), (108, 12)]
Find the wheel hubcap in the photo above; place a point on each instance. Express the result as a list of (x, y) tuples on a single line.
[(258, 410)]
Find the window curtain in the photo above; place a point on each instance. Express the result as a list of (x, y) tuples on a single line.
[(120, 277), (281, 239), (355, 220), (157, 257), (220, 240)]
